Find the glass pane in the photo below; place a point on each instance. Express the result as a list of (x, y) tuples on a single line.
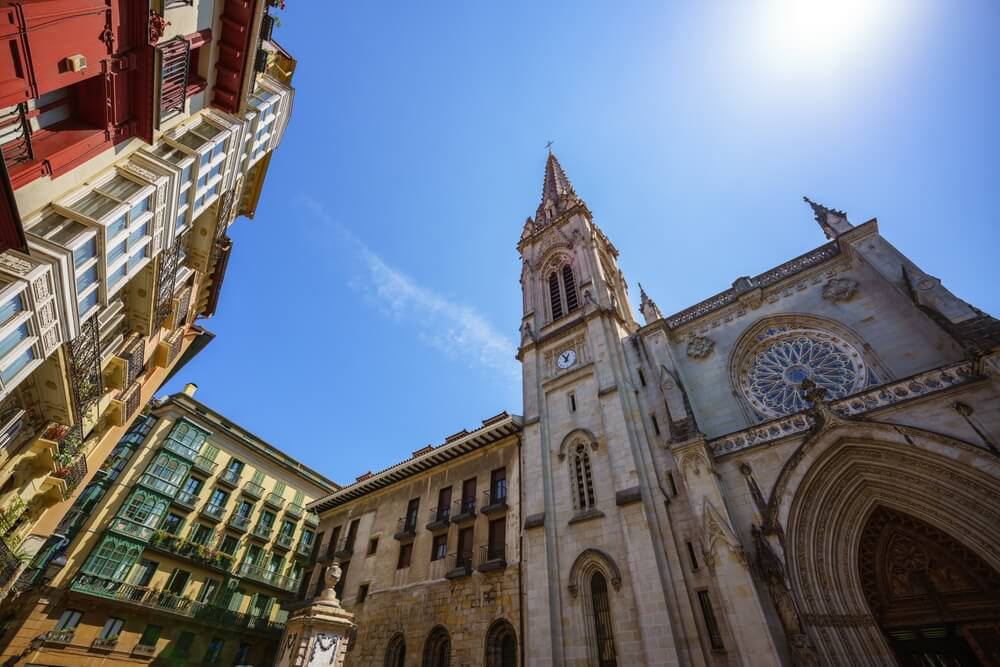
[(88, 302), (116, 252), (19, 363), (85, 252), (117, 276), (219, 147), (11, 308), (186, 174), (95, 205), (136, 259), (86, 279), (120, 187), (191, 140), (11, 340), (116, 227), (137, 234), (140, 208)]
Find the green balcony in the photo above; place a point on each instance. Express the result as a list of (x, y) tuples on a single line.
[(274, 500), (205, 465), (294, 510), (253, 490)]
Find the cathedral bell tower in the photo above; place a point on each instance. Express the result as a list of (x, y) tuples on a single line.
[(587, 492)]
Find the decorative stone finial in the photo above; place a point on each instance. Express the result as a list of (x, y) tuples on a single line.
[(330, 578), (831, 221), (648, 308)]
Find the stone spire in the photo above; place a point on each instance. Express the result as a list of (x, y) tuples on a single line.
[(558, 195), (648, 308), (831, 221)]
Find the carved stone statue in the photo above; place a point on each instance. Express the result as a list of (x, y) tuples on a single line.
[(330, 578)]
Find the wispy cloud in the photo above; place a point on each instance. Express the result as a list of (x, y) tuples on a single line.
[(454, 329)]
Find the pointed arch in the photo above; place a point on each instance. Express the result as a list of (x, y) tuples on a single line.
[(835, 481), (573, 437), (560, 284), (590, 561)]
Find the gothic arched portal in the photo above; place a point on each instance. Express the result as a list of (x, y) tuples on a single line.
[(928, 592)]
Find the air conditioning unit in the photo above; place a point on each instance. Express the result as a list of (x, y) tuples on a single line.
[(76, 62)]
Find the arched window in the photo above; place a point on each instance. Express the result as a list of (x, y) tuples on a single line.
[(583, 479), (437, 648), (562, 292), (606, 656), (395, 652), (501, 645)]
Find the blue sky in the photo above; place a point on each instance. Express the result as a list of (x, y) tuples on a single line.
[(372, 305)]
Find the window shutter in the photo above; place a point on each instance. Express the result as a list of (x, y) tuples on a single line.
[(279, 488), (210, 451), (299, 497), (258, 477)]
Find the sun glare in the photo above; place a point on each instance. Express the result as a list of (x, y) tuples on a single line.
[(812, 35)]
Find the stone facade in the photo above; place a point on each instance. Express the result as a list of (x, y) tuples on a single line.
[(414, 599)]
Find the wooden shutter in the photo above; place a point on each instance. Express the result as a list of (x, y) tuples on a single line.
[(210, 451)]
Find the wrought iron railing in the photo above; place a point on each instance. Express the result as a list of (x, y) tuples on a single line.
[(265, 576), (345, 547), (304, 549), (85, 367), (170, 603), (174, 57), (165, 276), (239, 521), (64, 636), (72, 473), (274, 500), (186, 499), (312, 519), (204, 464), (253, 489), (463, 508), (439, 514), (284, 540), (492, 553), (406, 525), (9, 563), (193, 551), (262, 531), (295, 510), (15, 135), (231, 477), (212, 511), (496, 496)]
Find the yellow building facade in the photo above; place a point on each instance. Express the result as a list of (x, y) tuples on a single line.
[(182, 550), (121, 253)]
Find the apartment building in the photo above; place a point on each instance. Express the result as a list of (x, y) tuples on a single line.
[(132, 134), (430, 554), (182, 550)]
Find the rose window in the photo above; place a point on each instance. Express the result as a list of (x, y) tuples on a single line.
[(774, 373)]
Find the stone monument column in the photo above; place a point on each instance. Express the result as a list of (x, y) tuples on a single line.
[(316, 634)]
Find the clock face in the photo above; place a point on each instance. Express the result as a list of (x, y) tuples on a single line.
[(566, 359)]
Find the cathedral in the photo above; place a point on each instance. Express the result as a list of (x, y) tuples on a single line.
[(800, 470)]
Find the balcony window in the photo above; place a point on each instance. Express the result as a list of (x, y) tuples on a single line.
[(117, 227), (94, 205), (86, 278), (13, 339), (87, 304), (117, 275), (11, 308), (84, 252)]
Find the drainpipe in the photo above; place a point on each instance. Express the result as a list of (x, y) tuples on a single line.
[(520, 548)]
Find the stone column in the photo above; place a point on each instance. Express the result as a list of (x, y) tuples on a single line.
[(316, 634)]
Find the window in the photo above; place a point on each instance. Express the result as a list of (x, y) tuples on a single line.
[(150, 635), (86, 252), (412, 508), (468, 496), (183, 645), (219, 498), (711, 625), (395, 652), (245, 508), (498, 486), (192, 485), (320, 582), (572, 402), (143, 574), (372, 546), (315, 545), (362, 593), (229, 544), (208, 590), (583, 479), (11, 308), (691, 555), (69, 620), (112, 628), (213, 652), (444, 504), (642, 377), (12, 339), (439, 547), (202, 534), (673, 485), (242, 654), (287, 528), (332, 545), (172, 524), (405, 551), (656, 424), (497, 538), (463, 557), (562, 292), (606, 655), (178, 581), (352, 534)]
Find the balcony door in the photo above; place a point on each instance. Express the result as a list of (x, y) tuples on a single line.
[(498, 485), (465, 537), (444, 502), (468, 494), (411, 513), (497, 538)]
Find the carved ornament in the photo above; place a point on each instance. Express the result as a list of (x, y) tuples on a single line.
[(839, 290), (699, 347)]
